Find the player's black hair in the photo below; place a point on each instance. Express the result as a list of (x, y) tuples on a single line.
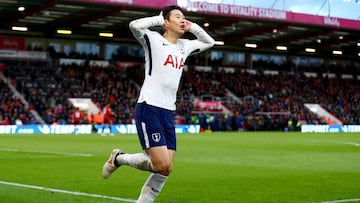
[(166, 10)]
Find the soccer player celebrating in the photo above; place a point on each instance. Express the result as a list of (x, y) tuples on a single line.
[(165, 56)]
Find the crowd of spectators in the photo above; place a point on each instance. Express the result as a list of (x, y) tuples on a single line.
[(265, 102), (282, 97), (47, 88), (12, 110)]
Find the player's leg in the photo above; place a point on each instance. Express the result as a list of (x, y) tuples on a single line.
[(155, 159), (162, 159), (160, 164), (139, 160), (76, 126), (103, 128), (152, 139), (106, 124), (156, 181), (153, 136), (118, 158), (111, 122)]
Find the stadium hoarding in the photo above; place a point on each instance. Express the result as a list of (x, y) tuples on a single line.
[(330, 128), (12, 43), (82, 129), (233, 10), (267, 14), (24, 55), (141, 3), (131, 129)]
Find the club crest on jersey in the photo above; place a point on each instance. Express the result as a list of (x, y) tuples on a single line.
[(156, 137), (174, 61)]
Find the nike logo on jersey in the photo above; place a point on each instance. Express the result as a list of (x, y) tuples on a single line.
[(164, 44)]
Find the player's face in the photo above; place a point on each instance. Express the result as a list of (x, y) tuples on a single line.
[(176, 22)]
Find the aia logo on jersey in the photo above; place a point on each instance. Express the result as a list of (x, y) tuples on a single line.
[(174, 61)]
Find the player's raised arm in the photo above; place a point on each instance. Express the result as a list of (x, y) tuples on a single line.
[(139, 26), (204, 40)]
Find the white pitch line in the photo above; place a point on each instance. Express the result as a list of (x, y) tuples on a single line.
[(342, 200), (46, 152), (67, 191), (352, 143)]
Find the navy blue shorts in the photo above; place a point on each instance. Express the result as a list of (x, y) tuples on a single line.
[(155, 126)]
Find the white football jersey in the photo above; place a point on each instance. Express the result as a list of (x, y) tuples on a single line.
[(164, 61)]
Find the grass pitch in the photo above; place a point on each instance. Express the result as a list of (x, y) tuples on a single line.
[(209, 168)]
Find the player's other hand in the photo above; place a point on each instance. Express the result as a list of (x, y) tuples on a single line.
[(161, 14), (187, 25)]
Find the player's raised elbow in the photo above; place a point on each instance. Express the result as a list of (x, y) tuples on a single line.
[(211, 42), (132, 25)]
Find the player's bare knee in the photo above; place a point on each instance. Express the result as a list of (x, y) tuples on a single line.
[(163, 168), (166, 171)]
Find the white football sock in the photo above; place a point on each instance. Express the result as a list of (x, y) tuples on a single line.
[(139, 160), (152, 188)]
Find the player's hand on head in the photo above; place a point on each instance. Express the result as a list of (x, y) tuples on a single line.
[(161, 14), (188, 24)]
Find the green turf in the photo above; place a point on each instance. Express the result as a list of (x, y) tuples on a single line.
[(211, 167)]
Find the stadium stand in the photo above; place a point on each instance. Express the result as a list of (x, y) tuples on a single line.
[(259, 101), (230, 88), (12, 110)]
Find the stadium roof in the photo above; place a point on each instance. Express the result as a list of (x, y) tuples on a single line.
[(86, 20)]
